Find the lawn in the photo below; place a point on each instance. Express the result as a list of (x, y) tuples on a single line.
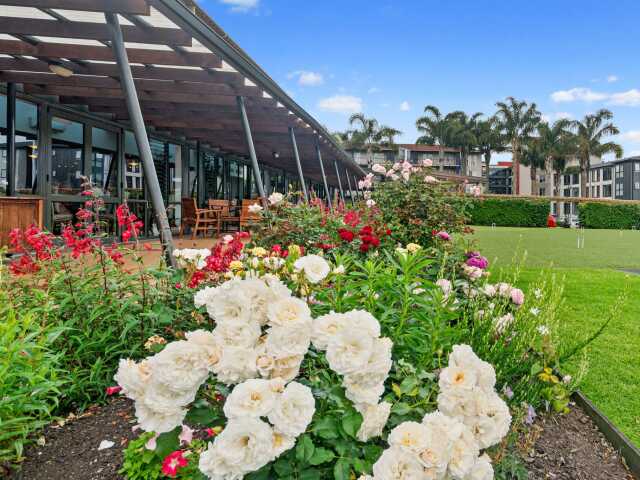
[(593, 283)]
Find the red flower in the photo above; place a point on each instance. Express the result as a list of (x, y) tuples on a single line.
[(366, 230), (174, 462), (178, 285), (351, 218), (210, 432), (375, 241), (346, 235), (196, 279), (113, 390), (364, 247)]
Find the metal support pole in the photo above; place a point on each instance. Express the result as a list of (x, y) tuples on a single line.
[(355, 179), (137, 122), (335, 164), (11, 139), (346, 173), (294, 145), (252, 150), (324, 177)]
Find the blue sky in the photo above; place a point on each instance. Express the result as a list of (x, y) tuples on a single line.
[(389, 59)]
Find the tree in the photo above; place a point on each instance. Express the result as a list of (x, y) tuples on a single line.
[(435, 129), (518, 121), (489, 139), (589, 135), (370, 135), (557, 144), (462, 134)]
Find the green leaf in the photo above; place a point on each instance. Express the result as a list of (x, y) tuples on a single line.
[(168, 442), (401, 408), (321, 455), (342, 469), (327, 428), (536, 368), (262, 474), (309, 474), (351, 423), (283, 468), (305, 448), (396, 389), (201, 416), (408, 384)]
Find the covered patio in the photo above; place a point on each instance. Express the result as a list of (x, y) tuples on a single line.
[(154, 103)]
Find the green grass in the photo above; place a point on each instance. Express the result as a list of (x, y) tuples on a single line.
[(593, 287)]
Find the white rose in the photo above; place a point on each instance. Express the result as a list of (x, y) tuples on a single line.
[(180, 367), (363, 321), (374, 418), (492, 420), (464, 453), (244, 446), (287, 368), (349, 351), (458, 403), (502, 323), (288, 312), (325, 327), (287, 341), (275, 198), (412, 437), (237, 334), (255, 208), (230, 305), (282, 443), (457, 378), (371, 203), (482, 469), (133, 377), (362, 390), (339, 270), (489, 290), (252, 398), (208, 343), (192, 256), (314, 267), (153, 419), (445, 285), (294, 410), (397, 464), (236, 365)]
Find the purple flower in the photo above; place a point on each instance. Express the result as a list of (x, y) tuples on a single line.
[(531, 415), (442, 235), (472, 254), (508, 393), (478, 261)]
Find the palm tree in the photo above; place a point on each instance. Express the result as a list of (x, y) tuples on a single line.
[(589, 135), (557, 143), (366, 133), (385, 136), (518, 120), (489, 139), (533, 155), (434, 128), (462, 134)]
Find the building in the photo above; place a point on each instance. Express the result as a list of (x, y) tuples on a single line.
[(218, 127), (501, 178)]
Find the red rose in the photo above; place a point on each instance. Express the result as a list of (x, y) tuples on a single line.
[(346, 235), (364, 248)]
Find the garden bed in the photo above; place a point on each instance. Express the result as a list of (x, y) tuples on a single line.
[(566, 447)]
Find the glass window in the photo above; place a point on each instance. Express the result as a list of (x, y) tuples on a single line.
[(175, 183), (133, 177), (574, 178), (192, 174), (67, 156), (636, 166), (159, 154), (213, 176), (104, 160), (26, 168), (606, 174), (606, 190)]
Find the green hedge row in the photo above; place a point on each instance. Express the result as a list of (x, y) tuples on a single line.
[(604, 215), (509, 212)]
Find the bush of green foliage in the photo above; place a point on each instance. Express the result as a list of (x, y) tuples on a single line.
[(605, 215), (509, 212)]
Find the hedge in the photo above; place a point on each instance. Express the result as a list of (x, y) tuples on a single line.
[(605, 215), (509, 212)]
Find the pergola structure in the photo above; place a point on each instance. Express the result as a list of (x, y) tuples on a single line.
[(167, 64)]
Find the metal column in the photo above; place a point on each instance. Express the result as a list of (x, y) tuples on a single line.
[(294, 145), (137, 122), (252, 150), (11, 139), (335, 164), (358, 190), (324, 177), (346, 173)]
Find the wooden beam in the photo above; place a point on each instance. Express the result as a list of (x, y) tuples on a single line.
[(132, 7), (92, 31), (111, 70), (141, 84), (165, 97), (93, 52)]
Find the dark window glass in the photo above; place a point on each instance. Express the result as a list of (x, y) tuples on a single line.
[(67, 156), (104, 163)]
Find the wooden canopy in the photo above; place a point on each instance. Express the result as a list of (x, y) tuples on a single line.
[(187, 73)]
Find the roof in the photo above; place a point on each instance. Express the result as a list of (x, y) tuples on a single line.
[(428, 148), (614, 162), (187, 72)]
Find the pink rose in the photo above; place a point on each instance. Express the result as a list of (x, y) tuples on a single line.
[(517, 296)]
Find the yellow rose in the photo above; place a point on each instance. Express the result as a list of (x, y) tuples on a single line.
[(259, 252), (413, 247), (236, 265)]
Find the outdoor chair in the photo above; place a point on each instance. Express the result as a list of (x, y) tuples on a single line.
[(199, 219), (227, 215)]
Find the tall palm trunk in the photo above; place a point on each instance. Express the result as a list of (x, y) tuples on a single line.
[(441, 157), (535, 190), (515, 159), (487, 162), (584, 172)]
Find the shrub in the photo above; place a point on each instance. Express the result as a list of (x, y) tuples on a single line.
[(509, 212), (31, 377), (605, 215)]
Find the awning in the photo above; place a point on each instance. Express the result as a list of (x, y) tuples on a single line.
[(187, 71)]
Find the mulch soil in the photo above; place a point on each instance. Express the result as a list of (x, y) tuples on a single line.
[(566, 447), (571, 447)]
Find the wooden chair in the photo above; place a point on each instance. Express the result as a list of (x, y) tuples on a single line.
[(199, 219), (246, 217), (226, 215)]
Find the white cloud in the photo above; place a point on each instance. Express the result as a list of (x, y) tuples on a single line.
[(373, 90), (551, 117), (612, 78), (578, 94), (630, 98), (631, 136), (307, 78), (241, 6), (405, 107), (341, 104)]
